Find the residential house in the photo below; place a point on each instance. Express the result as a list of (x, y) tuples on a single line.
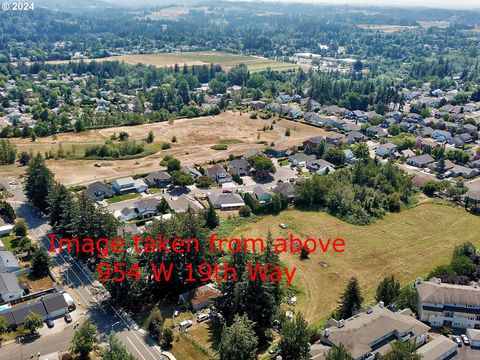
[(439, 348), (261, 194), (474, 337), (386, 150), (300, 159), (128, 185), (465, 172), (320, 166), (8, 262), (225, 201), (277, 151), (191, 171), (407, 153), (99, 191), (201, 297), (218, 174), (125, 214), (158, 179), (313, 142), (354, 137), (441, 135), (145, 208), (448, 305), (376, 131), (181, 203), (9, 288), (239, 167), (349, 157), (286, 189), (420, 161), (370, 333)]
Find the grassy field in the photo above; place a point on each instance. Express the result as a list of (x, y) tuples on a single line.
[(407, 244), (387, 28), (225, 60), (123, 197)]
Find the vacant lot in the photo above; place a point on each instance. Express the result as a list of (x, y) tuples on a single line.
[(226, 60), (194, 139), (407, 245)]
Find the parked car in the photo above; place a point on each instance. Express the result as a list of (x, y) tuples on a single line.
[(185, 324), (457, 340), (175, 313), (465, 339), (12, 182), (68, 318), (282, 225), (98, 165), (202, 317), (50, 323)]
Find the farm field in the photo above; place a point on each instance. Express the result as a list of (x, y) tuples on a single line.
[(194, 139), (406, 244), (225, 60), (387, 28)]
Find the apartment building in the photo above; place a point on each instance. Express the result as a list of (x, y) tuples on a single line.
[(448, 305)]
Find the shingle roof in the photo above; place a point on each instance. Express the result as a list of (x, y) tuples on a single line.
[(431, 292), (7, 259), (434, 349), (8, 283)]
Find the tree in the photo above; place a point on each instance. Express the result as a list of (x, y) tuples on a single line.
[(239, 341), (167, 338), (287, 132), (335, 155), (7, 212), (115, 350), (20, 228), (294, 342), (304, 254), (407, 298), (84, 340), (180, 178), (8, 152), (173, 165), (204, 182), (123, 136), (156, 324), (403, 350), (338, 353), (262, 167), (41, 262), (38, 180), (351, 300), (32, 322), (360, 150), (150, 137), (217, 87), (211, 218), (245, 211), (163, 207), (24, 158), (61, 209), (3, 325), (388, 290)]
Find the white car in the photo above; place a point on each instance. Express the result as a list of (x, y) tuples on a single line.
[(13, 182), (185, 324), (202, 317), (282, 225), (465, 339)]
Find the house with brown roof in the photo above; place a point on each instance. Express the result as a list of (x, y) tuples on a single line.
[(200, 297)]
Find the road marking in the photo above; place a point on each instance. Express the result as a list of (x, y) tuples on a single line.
[(130, 341)]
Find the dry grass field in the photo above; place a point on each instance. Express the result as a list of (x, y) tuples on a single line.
[(387, 28), (194, 139), (225, 60), (406, 244)]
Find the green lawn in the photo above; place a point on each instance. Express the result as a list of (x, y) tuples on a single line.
[(123, 197), (9, 242)]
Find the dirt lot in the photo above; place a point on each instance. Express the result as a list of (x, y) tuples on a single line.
[(194, 139)]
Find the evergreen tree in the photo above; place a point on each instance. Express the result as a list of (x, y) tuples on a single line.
[(156, 324), (61, 210), (407, 298), (211, 218), (304, 253), (3, 325), (294, 342), (167, 338), (150, 137), (338, 353), (350, 301), (115, 350), (239, 341), (41, 262), (24, 158), (38, 181), (8, 152), (388, 290), (84, 340), (163, 207)]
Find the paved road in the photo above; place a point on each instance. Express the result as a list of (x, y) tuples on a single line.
[(104, 315)]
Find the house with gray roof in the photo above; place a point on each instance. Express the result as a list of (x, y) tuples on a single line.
[(420, 161), (239, 167), (225, 201), (261, 194), (8, 262), (286, 189), (218, 174), (440, 347), (128, 185), (99, 191), (158, 179), (9, 288)]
